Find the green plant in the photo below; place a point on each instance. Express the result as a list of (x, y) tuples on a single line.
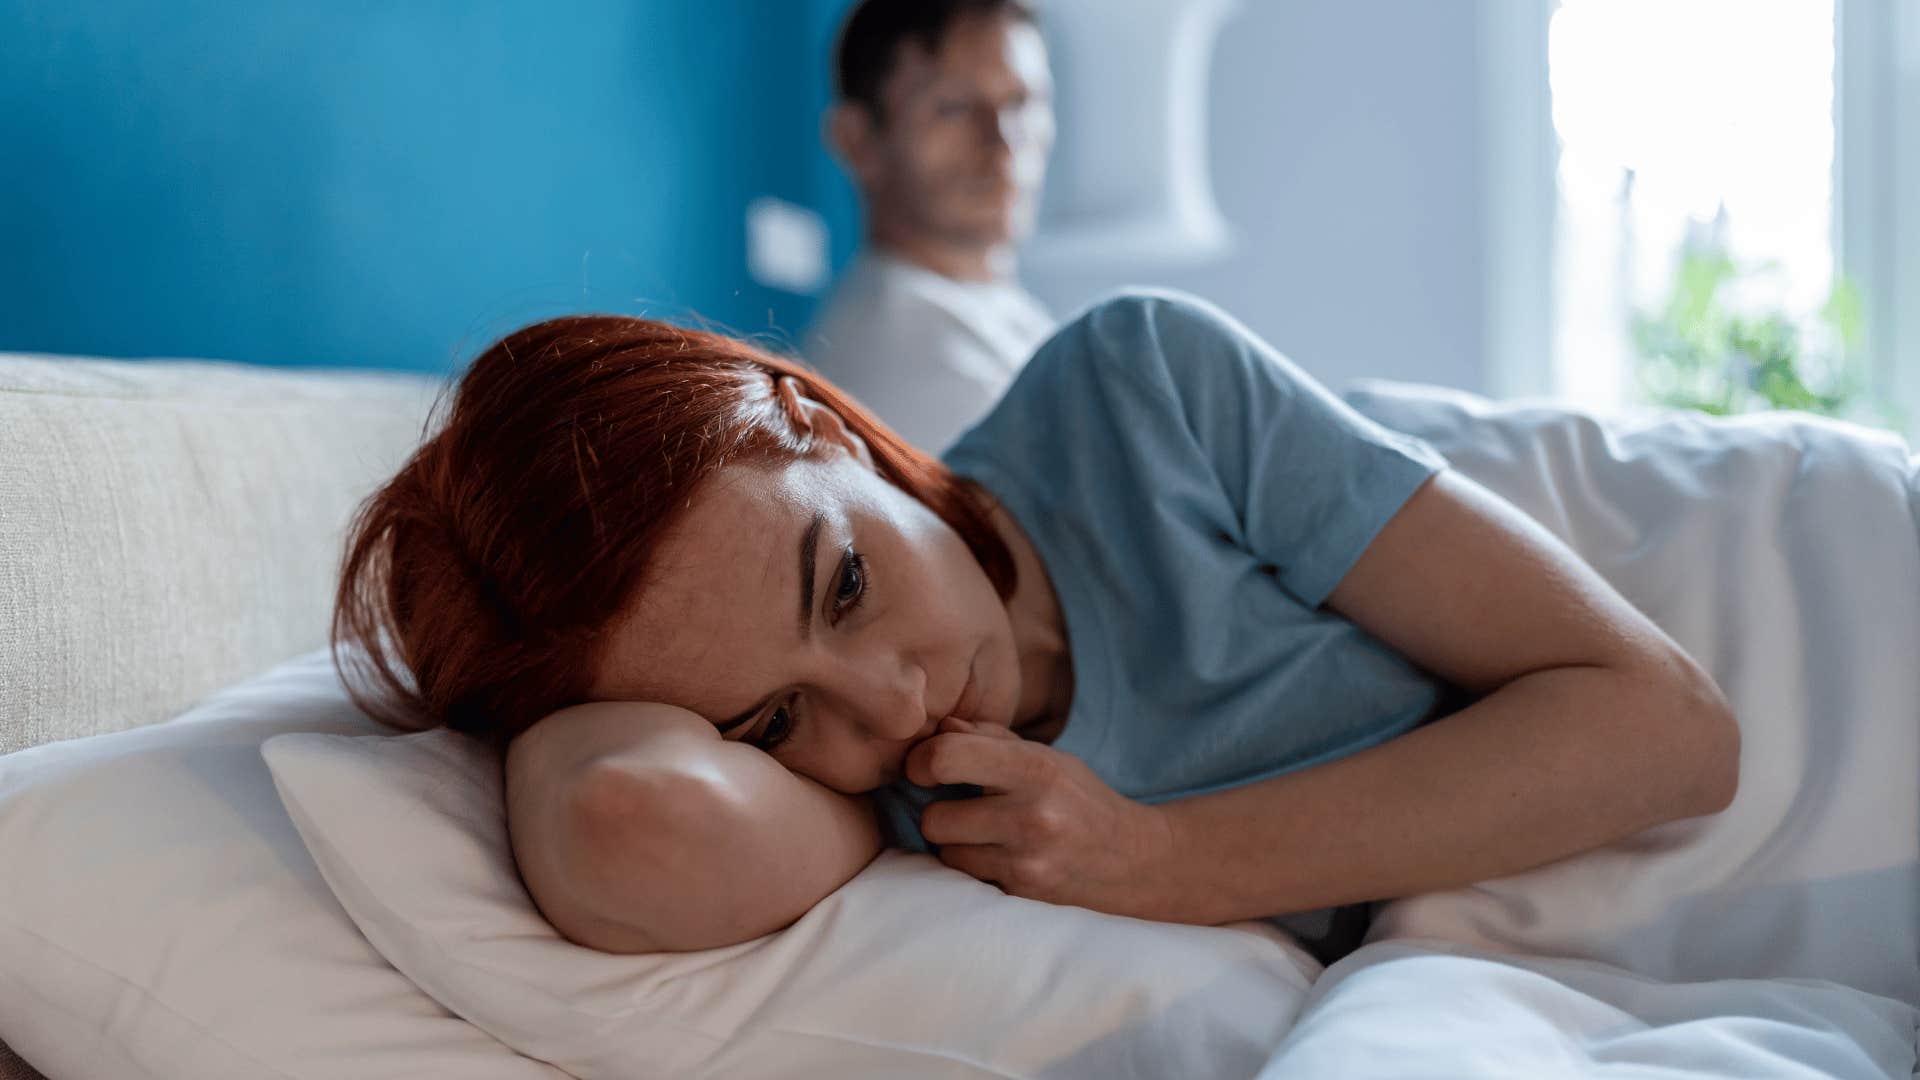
[(1696, 352)]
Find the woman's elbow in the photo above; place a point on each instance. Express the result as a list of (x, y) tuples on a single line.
[(1715, 749)]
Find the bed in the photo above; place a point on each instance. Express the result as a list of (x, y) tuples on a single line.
[(214, 867)]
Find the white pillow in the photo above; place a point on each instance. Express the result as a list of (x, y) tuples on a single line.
[(910, 969), (159, 916)]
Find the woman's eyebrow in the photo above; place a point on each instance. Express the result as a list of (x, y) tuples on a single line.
[(809, 548)]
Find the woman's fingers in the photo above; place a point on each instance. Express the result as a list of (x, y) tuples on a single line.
[(972, 757), (954, 723), (985, 862), (974, 821)]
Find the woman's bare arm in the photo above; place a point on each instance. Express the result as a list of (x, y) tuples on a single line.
[(637, 828), (1594, 725)]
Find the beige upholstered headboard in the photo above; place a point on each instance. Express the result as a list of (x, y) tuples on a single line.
[(172, 527), (168, 528)]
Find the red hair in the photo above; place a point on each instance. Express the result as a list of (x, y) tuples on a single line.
[(479, 583)]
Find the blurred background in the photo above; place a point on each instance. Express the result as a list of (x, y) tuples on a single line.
[(1704, 202)]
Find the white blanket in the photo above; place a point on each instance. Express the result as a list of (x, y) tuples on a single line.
[(1406, 1011), (1783, 553)]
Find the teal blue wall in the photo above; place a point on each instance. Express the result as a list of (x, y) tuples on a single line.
[(393, 184)]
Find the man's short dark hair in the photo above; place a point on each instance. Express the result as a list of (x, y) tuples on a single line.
[(870, 39)]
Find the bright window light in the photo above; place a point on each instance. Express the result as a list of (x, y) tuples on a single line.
[(1672, 114)]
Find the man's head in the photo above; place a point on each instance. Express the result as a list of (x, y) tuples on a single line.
[(944, 118)]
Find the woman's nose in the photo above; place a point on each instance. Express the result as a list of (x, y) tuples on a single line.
[(890, 698)]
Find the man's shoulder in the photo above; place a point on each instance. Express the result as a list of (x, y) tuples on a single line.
[(864, 291), (880, 307), (891, 287)]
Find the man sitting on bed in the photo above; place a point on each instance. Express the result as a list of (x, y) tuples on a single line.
[(944, 120)]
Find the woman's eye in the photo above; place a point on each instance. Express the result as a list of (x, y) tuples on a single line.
[(853, 584), (779, 728)]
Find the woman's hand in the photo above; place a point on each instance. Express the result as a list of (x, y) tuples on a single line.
[(1046, 828)]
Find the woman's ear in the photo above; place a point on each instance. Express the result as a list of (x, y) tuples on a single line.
[(823, 422)]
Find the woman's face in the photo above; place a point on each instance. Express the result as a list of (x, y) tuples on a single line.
[(821, 613)]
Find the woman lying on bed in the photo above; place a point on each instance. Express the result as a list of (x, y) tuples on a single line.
[(1161, 637)]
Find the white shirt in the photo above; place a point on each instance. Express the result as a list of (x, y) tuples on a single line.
[(927, 353)]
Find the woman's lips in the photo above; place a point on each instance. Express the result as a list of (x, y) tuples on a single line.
[(961, 708)]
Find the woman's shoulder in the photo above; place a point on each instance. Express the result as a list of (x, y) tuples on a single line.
[(1168, 343), (1118, 378), (1136, 311)]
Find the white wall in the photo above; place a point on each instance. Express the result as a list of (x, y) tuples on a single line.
[(1346, 149)]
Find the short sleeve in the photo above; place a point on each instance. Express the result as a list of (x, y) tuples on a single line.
[(1310, 481)]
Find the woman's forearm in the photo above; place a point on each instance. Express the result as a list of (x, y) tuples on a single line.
[(638, 829), (1553, 763), (724, 844)]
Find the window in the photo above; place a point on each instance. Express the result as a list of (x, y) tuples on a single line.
[(1685, 121)]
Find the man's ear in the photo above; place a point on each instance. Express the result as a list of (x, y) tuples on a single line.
[(825, 424), (852, 133)]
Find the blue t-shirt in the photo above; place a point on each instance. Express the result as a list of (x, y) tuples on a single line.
[(1195, 498)]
